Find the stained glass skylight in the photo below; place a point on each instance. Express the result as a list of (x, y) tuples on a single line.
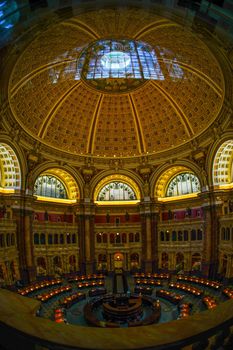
[(119, 65)]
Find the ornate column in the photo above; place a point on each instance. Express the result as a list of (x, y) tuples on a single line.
[(211, 209), (149, 223), (86, 237), (23, 214), (229, 272)]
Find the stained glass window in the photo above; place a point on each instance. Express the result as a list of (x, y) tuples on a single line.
[(49, 186), (116, 191), (183, 184)]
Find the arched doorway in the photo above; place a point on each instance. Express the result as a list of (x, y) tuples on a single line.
[(72, 263), (134, 261), (102, 262), (223, 265), (41, 266), (13, 271), (179, 262), (196, 262), (164, 261), (2, 278), (118, 261), (57, 265)]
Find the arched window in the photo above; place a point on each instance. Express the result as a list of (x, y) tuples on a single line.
[(123, 237), (223, 234), (186, 235), (174, 238), (2, 240), (162, 236), (105, 238), (193, 235), (50, 238), (73, 238), (68, 238), (12, 239), (137, 237), (182, 184), (56, 238), (10, 175), (112, 238), (99, 238), (36, 238), (180, 236), (199, 234), (42, 238), (116, 191), (167, 236), (131, 237), (222, 167), (227, 234), (49, 186), (118, 238), (61, 238), (8, 240)]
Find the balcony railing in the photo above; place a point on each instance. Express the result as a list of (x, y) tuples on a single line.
[(196, 330)]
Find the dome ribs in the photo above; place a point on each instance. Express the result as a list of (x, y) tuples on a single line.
[(36, 72), (80, 25), (54, 109), (200, 75), (92, 132), (138, 127), (153, 26), (184, 120)]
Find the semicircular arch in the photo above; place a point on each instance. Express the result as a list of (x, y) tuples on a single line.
[(161, 178), (125, 177), (11, 160), (221, 162), (72, 181)]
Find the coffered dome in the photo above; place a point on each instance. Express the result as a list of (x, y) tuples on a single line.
[(116, 83)]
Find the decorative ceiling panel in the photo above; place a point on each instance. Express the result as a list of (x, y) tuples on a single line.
[(53, 98)]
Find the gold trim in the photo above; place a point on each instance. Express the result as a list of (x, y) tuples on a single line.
[(224, 187), (138, 126), (7, 190), (84, 27), (106, 203), (153, 26), (55, 200), (178, 198), (92, 131)]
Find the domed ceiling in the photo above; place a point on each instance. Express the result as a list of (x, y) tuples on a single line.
[(116, 83)]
